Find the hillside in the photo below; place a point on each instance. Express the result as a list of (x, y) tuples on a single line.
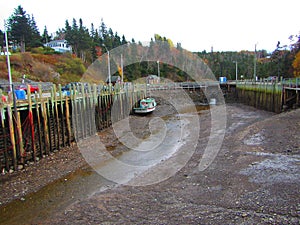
[(56, 68)]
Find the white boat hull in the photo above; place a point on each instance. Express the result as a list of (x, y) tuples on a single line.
[(143, 111)]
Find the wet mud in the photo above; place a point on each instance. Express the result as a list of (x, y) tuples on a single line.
[(253, 180)]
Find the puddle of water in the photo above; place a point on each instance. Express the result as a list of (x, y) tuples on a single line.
[(167, 145), (145, 154), (52, 198)]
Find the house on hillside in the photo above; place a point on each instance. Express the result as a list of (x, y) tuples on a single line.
[(59, 46), (152, 79)]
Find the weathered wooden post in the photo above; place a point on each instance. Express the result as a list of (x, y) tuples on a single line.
[(12, 136), (2, 116), (20, 137), (68, 118), (30, 114), (45, 126), (39, 130), (57, 124), (82, 112), (62, 116)]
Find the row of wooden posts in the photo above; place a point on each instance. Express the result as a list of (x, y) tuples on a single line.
[(46, 122), (271, 96)]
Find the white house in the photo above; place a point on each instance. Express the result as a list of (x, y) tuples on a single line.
[(59, 46), (152, 79)]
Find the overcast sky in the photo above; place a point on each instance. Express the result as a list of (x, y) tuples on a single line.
[(227, 25)]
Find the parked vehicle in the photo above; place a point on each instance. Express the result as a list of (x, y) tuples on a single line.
[(69, 85), (33, 89)]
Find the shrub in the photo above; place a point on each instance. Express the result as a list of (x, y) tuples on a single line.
[(39, 50), (69, 65), (27, 58), (16, 61), (50, 59), (42, 71)]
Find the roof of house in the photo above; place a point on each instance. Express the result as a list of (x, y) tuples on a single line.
[(113, 79), (57, 41)]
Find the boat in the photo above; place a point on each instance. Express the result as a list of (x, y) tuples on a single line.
[(146, 105)]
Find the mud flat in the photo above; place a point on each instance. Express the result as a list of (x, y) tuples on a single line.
[(254, 179)]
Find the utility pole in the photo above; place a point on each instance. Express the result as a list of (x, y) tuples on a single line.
[(108, 61), (122, 71), (158, 71), (236, 70), (254, 70), (8, 59)]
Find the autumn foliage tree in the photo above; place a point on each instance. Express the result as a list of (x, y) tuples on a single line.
[(295, 49), (296, 65)]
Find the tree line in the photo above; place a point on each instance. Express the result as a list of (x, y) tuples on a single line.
[(282, 62), (89, 44)]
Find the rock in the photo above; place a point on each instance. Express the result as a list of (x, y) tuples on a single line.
[(20, 167), (244, 214)]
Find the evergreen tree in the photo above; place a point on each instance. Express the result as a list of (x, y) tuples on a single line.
[(94, 42), (45, 37), (84, 41), (19, 27), (103, 30), (123, 42), (35, 40), (23, 29), (2, 40)]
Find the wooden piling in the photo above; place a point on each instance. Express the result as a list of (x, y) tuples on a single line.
[(30, 115), (57, 124), (62, 117), (39, 130), (45, 126), (68, 120), (20, 138), (51, 123), (12, 136)]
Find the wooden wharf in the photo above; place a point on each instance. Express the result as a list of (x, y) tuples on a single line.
[(32, 129), (44, 123)]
